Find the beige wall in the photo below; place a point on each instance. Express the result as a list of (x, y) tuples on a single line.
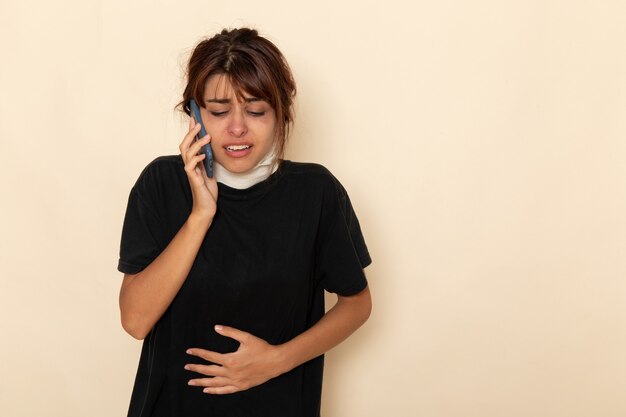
[(482, 144)]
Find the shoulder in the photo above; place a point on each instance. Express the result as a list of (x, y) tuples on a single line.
[(315, 180), (161, 165), (310, 173), (159, 173), (304, 168)]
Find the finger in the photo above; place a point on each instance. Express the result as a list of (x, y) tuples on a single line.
[(195, 147), (238, 335), (195, 165), (189, 137), (229, 389), (207, 355), (209, 370), (191, 166), (211, 183), (215, 382)]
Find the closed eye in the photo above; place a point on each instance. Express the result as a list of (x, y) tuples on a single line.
[(218, 113), (256, 113)]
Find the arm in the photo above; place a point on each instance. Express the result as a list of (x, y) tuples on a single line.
[(256, 361), (145, 296), (346, 316)]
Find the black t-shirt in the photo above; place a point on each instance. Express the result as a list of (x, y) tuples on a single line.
[(263, 266)]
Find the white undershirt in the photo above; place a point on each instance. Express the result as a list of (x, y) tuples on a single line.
[(261, 172)]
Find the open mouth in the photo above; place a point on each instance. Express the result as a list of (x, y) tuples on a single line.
[(235, 148)]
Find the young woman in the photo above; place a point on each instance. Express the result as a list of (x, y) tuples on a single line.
[(224, 277)]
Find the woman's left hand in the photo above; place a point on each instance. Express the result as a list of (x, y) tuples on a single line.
[(255, 362)]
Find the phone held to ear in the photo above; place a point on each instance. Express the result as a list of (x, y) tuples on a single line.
[(206, 149)]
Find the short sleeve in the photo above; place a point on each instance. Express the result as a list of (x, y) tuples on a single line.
[(142, 232), (342, 250)]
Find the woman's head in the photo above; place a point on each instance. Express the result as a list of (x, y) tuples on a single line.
[(251, 67)]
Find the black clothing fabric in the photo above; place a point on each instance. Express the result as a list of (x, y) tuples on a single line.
[(263, 266)]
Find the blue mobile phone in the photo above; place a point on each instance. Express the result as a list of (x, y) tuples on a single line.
[(206, 149)]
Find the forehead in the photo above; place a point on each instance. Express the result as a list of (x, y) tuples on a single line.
[(220, 86)]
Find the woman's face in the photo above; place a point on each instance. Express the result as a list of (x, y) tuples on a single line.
[(242, 133)]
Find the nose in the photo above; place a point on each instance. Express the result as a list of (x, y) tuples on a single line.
[(237, 126)]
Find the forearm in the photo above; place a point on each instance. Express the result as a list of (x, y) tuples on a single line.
[(145, 296), (348, 314)]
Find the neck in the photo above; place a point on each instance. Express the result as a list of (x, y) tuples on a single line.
[(242, 180)]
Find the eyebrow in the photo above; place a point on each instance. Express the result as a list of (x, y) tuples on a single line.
[(227, 100)]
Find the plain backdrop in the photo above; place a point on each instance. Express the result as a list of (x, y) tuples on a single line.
[(482, 144)]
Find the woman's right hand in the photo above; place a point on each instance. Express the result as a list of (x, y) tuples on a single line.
[(146, 295), (203, 188)]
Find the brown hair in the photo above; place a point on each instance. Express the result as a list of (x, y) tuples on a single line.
[(253, 65)]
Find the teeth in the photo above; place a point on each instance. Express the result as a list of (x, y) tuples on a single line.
[(237, 147)]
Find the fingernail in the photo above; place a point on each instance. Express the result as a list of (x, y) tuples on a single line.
[(187, 367), (218, 328), (188, 351), (192, 382)]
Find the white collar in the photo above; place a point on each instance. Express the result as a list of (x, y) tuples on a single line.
[(261, 172)]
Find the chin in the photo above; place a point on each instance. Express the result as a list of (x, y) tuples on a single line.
[(238, 168)]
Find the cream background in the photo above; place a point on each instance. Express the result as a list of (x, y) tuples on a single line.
[(482, 144)]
